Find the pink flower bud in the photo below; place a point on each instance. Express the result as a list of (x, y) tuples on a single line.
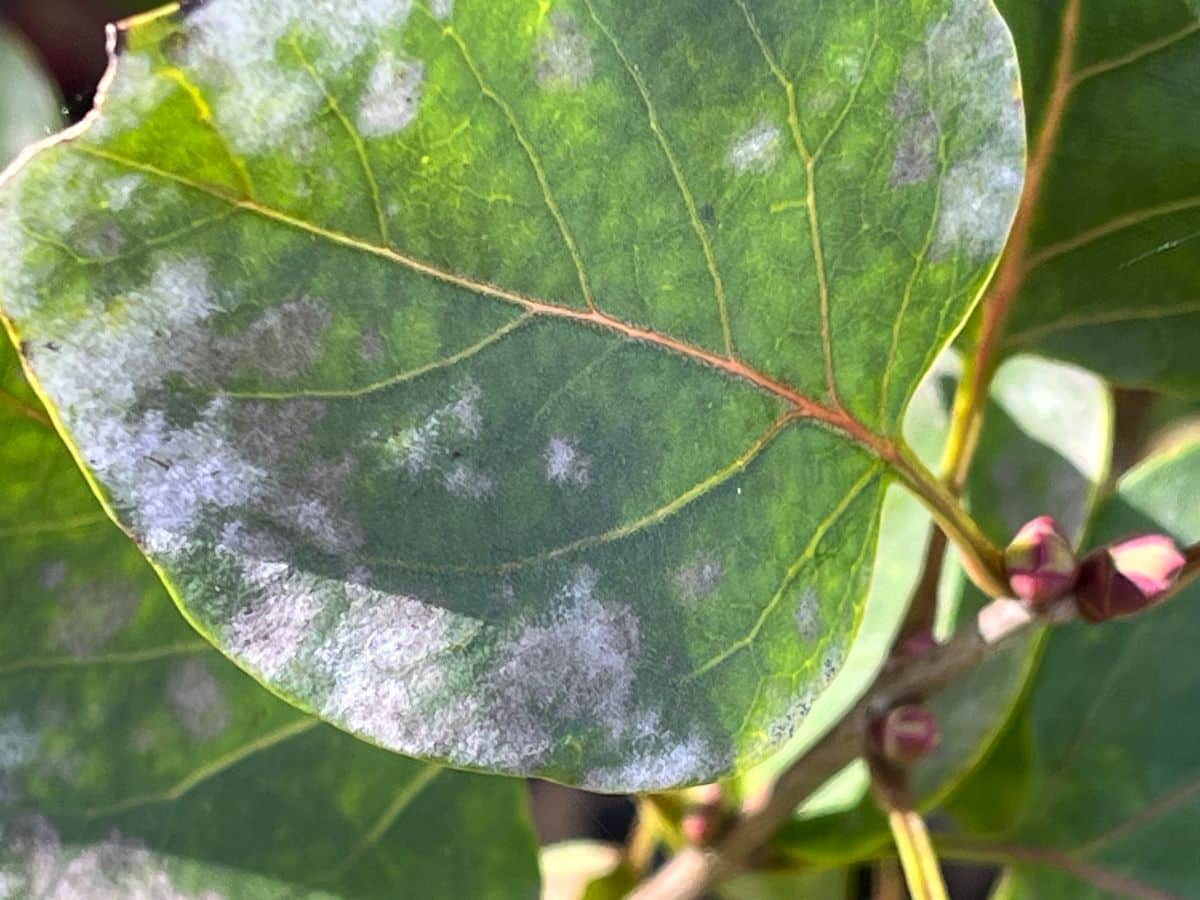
[(1041, 564), (1127, 577), (904, 735)]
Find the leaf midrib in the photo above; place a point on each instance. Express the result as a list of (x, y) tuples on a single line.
[(802, 406)]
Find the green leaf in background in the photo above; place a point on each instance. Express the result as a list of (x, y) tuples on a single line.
[(135, 761), (1108, 276), (1114, 808), (28, 104), (1044, 448), (515, 383)]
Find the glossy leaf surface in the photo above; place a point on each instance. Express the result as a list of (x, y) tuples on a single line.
[(137, 762), (1107, 277), (1115, 795), (513, 383)]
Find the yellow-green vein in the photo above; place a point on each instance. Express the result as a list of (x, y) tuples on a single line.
[(796, 567), (689, 201)]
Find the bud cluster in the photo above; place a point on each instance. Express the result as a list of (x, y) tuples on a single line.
[(1119, 579), (904, 735)]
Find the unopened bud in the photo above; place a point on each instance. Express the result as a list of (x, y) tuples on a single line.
[(1040, 563), (904, 735), (1127, 577), (702, 820)]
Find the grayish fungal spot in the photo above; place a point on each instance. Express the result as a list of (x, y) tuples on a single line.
[(436, 445), (699, 578), (979, 193), (390, 660), (831, 663), (34, 862), (756, 150), (89, 616), (563, 53), (392, 96), (689, 761), (276, 614), (917, 150), (285, 341), (120, 191), (265, 96), (578, 664), (808, 615), (566, 464), (372, 346), (53, 575), (197, 700), (18, 745)]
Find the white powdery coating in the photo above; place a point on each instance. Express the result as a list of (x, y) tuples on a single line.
[(262, 100), (808, 615), (566, 464), (756, 150), (435, 444), (578, 665), (441, 9), (272, 625), (392, 96), (975, 85), (700, 578), (564, 53), (163, 475), (18, 745), (91, 615), (464, 480), (34, 863), (197, 700), (389, 659), (690, 762), (133, 95), (120, 191)]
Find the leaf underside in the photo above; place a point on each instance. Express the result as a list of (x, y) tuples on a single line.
[(511, 383)]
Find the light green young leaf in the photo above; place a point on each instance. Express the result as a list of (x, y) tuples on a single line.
[(28, 103), (135, 761), (1116, 789), (515, 383), (1107, 278)]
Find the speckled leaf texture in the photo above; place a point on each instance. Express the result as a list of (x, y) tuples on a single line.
[(516, 383), (1108, 278), (1114, 806), (135, 761)]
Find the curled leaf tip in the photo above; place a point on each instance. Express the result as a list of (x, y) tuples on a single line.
[(1040, 563), (1127, 577)]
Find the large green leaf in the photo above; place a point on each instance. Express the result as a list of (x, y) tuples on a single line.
[(1114, 805), (1108, 278), (28, 104), (514, 383), (135, 761), (1044, 448)]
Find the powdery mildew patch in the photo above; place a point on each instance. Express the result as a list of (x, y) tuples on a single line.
[(566, 464), (979, 193), (390, 660), (91, 615), (441, 9), (756, 150), (274, 620), (808, 615), (436, 444), (575, 665), (691, 761), (261, 100), (563, 54), (35, 863), (700, 578), (197, 700), (392, 96)]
